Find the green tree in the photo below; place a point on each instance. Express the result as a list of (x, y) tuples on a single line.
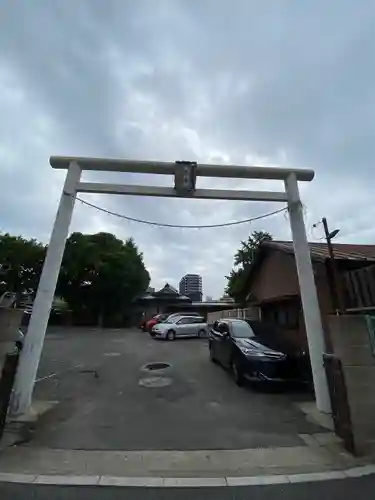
[(243, 259), (21, 262), (101, 274)]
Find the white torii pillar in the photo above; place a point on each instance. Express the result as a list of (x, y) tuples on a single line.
[(33, 343), (309, 298), (31, 353)]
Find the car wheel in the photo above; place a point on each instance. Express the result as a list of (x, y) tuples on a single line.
[(201, 333), (237, 374), (171, 335)]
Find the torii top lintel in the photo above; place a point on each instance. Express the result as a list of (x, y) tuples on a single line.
[(169, 168)]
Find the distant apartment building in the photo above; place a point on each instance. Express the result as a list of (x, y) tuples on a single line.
[(191, 286)]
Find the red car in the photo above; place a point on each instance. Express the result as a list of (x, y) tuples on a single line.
[(142, 324), (159, 318)]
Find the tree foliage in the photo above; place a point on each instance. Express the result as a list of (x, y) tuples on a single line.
[(21, 262), (243, 258), (101, 274)]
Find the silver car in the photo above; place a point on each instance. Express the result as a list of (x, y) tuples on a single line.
[(180, 326)]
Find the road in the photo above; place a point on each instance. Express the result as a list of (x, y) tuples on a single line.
[(110, 402), (346, 489)]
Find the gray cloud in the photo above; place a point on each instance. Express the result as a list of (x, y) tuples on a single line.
[(288, 83)]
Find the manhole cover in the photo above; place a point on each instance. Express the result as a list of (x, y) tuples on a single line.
[(155, 382), (112, 354), (156, 366)]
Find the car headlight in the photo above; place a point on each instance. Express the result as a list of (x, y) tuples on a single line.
[(252, 352), (262, 354)]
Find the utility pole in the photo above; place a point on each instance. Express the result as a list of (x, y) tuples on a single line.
[(334, 279)]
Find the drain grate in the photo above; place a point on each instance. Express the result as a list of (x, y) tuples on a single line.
[(156, 366)]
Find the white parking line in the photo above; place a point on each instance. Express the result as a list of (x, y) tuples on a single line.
[(46, 377), (51, 375)]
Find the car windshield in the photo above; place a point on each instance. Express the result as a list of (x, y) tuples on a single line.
[(172, 320), (241, 329)]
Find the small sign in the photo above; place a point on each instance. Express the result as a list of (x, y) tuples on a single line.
[(185, 176)]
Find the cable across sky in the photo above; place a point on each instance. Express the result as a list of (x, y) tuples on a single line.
[(180, 226)]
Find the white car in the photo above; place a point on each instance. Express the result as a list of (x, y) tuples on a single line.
[(180, 326), (178, 314)]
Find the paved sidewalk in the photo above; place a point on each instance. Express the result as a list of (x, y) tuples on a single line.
[(344, 489), (198, 463)]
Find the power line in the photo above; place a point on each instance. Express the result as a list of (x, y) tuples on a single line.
[(182, 226)]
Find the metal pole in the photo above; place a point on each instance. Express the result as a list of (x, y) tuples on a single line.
[(31, 352), (311, 310), (333, 279)]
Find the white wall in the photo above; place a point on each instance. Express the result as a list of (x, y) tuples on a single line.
[(250, 312)]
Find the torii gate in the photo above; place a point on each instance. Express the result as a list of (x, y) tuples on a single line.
[(185, 174)]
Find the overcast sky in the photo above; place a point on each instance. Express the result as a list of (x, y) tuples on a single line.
[(289, 83)]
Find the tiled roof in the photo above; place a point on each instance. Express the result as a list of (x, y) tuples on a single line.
[(319, 251), (167, 289)]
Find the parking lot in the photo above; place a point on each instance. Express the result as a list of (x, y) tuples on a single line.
[(108, 400)]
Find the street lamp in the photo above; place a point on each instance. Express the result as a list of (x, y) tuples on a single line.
[(333, 233), (334, 280)]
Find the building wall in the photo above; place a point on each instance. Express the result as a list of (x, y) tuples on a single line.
[(275, 280), (194, 296), (322, 287), (277, 277), (191, 284), (276, 288), (251, 312), (351, 343)]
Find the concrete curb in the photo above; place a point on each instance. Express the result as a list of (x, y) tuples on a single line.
[(186, 482)]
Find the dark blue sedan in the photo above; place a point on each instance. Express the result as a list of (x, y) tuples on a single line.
[(255, 352)]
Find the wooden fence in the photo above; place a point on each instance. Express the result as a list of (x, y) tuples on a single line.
[(359, 287)]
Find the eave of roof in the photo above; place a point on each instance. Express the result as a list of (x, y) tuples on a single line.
[(318, 252)]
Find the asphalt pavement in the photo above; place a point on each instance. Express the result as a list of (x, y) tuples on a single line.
[(346, 489), (109, 401)]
